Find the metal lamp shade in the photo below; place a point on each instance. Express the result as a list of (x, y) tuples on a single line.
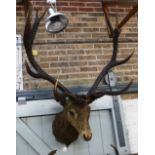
[(56, 21)]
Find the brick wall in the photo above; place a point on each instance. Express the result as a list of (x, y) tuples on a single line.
[(79, 63)]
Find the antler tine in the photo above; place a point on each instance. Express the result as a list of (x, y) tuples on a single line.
[(29, 35), (116, 23), (116, 150), (126, 59), (106, 92), (109, 26)]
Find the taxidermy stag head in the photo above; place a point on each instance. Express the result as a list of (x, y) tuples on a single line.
[(74, 119)]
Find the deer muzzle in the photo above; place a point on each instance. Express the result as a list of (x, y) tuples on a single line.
[(87, 134)]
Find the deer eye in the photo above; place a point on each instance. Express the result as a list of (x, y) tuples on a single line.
[(73, 113)]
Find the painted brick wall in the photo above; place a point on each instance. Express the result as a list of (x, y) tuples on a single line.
[(78, 64)]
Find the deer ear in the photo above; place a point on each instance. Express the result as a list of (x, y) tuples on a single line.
[(63, 100), (59, 97)]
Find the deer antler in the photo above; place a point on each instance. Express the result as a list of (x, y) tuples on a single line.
[(112, 63), (114, 33), (52, 152), (116, 150), (29, 35)]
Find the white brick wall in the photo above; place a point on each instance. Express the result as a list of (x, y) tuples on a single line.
[(130, 108)]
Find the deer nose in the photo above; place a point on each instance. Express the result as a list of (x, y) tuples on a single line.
[(87, 135)]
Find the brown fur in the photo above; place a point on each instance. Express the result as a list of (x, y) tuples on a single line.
[(63, 131), (70, 123)]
